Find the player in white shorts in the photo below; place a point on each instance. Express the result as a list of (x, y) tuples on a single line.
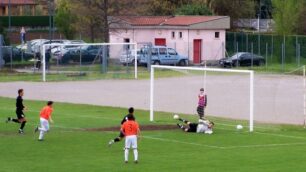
[(131, 131), (45, 117)]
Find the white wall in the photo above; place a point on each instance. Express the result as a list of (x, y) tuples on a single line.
[(211, 46)]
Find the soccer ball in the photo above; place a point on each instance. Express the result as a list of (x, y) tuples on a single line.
[(239, 127), (175, 116)]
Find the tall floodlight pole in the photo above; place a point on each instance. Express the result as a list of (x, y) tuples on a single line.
[(9, 19), (49, 11)]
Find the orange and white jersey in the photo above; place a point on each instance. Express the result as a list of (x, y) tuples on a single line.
[(46, 112), (130, 128)]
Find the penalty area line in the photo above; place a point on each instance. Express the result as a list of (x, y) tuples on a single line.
[(177, 141), (226, 147)]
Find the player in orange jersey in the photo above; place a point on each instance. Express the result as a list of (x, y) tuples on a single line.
[(45, 117), (131, 131)]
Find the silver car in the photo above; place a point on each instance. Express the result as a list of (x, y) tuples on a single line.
[(128, 57)]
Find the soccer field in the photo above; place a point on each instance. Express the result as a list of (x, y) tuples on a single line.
[(71, 145)]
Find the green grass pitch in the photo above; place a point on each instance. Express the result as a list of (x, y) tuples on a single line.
[(68, 148)]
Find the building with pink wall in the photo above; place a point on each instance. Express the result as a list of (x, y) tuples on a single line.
[(201, 38)]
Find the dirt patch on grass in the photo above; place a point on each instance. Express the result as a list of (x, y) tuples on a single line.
[(142, 128)]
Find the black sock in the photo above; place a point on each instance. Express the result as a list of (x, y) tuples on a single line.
[(15, 120), (183, 120), (180, 126), (22, 125), (117, 139)]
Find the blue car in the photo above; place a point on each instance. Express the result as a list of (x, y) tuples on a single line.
[(162, 55)]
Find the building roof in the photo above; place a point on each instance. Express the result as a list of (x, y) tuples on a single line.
[(144, 20), (167, 20), (17, 2), (189, 20)]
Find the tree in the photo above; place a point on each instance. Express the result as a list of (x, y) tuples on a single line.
[(236, 9), (286, 15), (301, 21), (64, 19), (193, 9), (164, 7), (93, 16)]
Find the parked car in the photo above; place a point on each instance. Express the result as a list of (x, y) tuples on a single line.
[(242, 59), (88, 53), (128, 57), (17, 54), (162, 55)]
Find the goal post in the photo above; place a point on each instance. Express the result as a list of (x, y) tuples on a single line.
[(133, 53), (248, 72)]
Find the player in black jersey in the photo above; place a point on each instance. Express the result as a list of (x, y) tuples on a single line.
[(19, 112), (121, 135)]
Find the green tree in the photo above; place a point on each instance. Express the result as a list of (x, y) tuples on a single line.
[(286, 15), (193, 9), (301, 21), (64, 19), (236, 9), (164, 7)]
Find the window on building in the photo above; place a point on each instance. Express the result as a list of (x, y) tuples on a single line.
[(217, 34), (126, 40), (181, 34), (173, 34)]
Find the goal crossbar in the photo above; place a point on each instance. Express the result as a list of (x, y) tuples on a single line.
[(250, 72)]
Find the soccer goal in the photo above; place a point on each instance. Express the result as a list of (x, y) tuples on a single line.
[(230, 92), (70, 61)]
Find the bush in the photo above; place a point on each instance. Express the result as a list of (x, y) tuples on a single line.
[(30, 21)]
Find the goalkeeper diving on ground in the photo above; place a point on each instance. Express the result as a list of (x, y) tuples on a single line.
[(203, 126)]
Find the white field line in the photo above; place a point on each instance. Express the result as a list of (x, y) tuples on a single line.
[(226, 147), (266, 145), (177, 141)]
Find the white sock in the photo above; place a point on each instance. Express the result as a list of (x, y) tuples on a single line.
[(41, 134), (126, 154), (136, 154)]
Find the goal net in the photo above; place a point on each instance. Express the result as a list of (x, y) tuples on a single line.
[(87, 61), (229, 92)]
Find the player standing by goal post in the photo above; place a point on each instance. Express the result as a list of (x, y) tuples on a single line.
[(131, 131), (201, 103)]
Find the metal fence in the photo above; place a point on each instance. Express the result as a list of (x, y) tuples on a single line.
[(283, 52)]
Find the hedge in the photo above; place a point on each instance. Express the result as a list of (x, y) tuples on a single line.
[(29, 21)]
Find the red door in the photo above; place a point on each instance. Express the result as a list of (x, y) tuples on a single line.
[(197, 51), (160, 41)]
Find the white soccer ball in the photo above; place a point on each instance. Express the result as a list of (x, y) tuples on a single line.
[(239, 127), (175, 116)]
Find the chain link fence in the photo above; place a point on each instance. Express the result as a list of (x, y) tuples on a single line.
[(282, 53)]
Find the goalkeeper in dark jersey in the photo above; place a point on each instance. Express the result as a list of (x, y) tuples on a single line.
[(19, 112), (121, 135)]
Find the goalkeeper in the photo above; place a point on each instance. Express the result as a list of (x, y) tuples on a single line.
[(203, 126)]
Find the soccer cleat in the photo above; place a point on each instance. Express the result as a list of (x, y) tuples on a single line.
[(126, 162), (35, 130), (40, 140), (136, 162), (8, 119), (111, 142), (20, 131)]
